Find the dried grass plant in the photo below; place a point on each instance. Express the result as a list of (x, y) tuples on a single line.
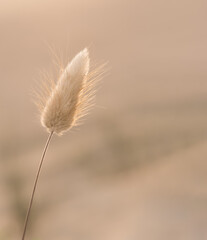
[(64, 103)]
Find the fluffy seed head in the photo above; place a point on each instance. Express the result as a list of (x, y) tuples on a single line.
[(70, 97)]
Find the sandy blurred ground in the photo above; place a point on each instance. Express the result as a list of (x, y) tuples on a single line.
[(137, 167)]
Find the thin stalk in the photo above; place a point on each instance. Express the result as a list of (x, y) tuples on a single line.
[(35, 184)]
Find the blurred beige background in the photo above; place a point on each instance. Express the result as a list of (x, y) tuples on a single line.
[(137, 167)]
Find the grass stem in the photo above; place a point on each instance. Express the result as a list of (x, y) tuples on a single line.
[(35, 185)]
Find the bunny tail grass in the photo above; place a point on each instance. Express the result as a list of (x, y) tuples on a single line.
[(35, 185), (64, 103)]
